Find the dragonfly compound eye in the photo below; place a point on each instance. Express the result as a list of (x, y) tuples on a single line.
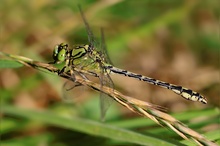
[(60, 52), (61, 55)]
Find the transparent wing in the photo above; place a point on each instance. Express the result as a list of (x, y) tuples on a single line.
[(105, 100), (91, 37), (69, 88), (92, 40), (104, 50), (72, 91)]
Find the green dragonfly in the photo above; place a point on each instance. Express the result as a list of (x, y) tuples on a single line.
[(88, 60), (79, 60)]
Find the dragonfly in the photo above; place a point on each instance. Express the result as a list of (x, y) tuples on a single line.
[(88, 59), (80, 60)]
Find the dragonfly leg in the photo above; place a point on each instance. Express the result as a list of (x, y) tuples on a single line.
[(62, 70)]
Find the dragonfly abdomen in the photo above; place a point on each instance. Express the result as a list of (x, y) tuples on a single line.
[(184, 92)]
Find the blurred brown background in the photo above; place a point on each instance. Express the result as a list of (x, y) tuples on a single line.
[(174, 41)]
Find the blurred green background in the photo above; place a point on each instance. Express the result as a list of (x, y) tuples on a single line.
[(174, 41)]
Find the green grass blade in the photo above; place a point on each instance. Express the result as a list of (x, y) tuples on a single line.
[(9, 64), (88, 127)]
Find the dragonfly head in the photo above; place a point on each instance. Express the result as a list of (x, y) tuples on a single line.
[(59, 52)]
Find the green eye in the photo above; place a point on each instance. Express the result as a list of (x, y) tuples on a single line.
[(61, 55), (59, 52)]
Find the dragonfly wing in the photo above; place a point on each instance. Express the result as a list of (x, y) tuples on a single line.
[(91, 37), (104, 50), (105, 80), (71, 90), (105, 100)]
